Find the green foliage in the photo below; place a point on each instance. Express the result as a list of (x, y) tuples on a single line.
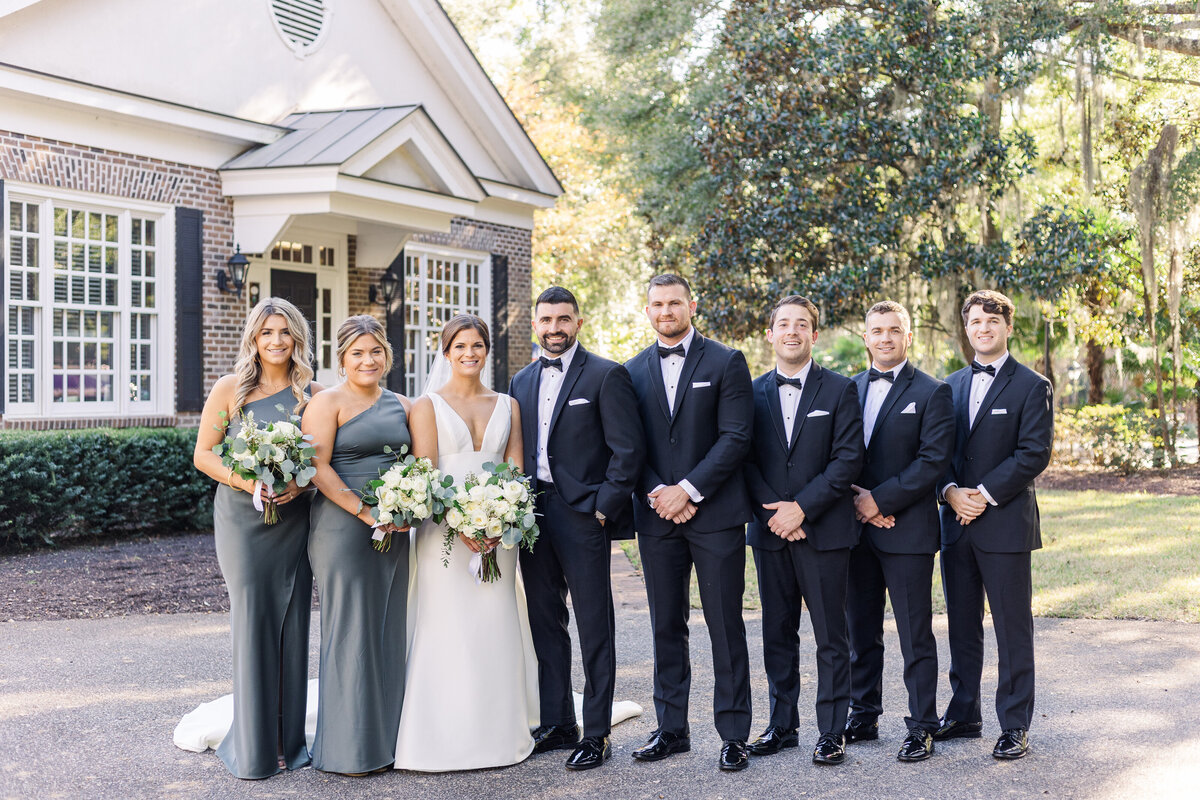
[(1121, 438), (848, 146), (65, 484)]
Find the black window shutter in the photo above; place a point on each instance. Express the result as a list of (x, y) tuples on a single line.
[(394, 325), (189, 308), (3, 299), (500, 371)]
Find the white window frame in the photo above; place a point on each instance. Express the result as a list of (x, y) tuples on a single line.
[(163, 375), (414, 383)]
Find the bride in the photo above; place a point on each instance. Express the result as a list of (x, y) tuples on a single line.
[(471, 687)]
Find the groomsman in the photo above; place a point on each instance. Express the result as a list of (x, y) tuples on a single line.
[(908, 429), (1005, 428), (583, 449), (693, 395), (806, 452)]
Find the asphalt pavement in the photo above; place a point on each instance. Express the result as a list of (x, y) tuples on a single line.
[(87, 709)]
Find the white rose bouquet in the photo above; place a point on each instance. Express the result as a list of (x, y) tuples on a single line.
[(271, 455), (495, 505), (406, 493)]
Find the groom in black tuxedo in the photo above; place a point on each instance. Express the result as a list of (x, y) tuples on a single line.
[(806, 452), (908, 428), (690, 508), (990, 523), (583, 446)]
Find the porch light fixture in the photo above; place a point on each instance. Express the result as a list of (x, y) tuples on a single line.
[(236, 273), (387, 288)]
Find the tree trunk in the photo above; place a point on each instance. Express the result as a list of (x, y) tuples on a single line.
[(1095, 372)]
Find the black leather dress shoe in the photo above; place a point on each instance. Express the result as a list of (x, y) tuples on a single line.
[(772, 741), (830, 749), (554, 737), (861, 731), (1013, 743), (953, 729), (661, 745), (735, 756), (592, 751), (918, 745)]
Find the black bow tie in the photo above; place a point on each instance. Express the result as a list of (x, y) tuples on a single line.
[(551, 362), (876, 375), (663, 352), (781, 381), (977, 367)]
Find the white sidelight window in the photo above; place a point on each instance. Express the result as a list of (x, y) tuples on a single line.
[(440, 282), (89, 323)]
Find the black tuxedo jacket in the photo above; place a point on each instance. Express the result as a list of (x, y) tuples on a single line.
[(595, 444), (704, 441), (815, 468), (911, 446), (1005, 450)]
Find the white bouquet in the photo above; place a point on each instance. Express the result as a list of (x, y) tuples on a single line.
[(271, 455), (495, 506), (408, 492)]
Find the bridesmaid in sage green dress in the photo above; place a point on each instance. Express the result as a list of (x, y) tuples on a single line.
[(265, 566), (363, 592)]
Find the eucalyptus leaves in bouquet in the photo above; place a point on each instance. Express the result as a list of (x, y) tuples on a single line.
[(271, 454), (407, 493), (495, 505)]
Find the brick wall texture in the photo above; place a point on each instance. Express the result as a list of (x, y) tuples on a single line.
[(51, 164)]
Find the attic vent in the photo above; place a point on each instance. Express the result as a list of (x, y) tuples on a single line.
[(301, 23)]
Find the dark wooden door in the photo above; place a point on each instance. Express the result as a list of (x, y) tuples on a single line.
[(300, 288)]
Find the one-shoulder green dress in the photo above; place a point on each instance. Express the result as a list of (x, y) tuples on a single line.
[(270, 597), (363, 605)]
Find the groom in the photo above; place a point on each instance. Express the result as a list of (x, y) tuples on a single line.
[(583, 446)]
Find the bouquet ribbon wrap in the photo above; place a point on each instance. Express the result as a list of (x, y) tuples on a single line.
[(258, 502)]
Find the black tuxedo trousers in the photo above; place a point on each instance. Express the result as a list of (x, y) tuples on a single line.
[(572, 550), (720, 561), (800, 572)]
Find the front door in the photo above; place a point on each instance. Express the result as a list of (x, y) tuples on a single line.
[(299, 288)]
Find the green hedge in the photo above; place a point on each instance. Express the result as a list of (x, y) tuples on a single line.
[(1123, 439), (55, 485)]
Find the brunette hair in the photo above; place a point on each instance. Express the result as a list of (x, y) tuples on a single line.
[(555, 295), (354, 327), (248, 368), (797, 300), (668, 279), (891, 307), (460, 323), (993, 302)]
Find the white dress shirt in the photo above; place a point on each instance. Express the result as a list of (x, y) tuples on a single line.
[(789, 397), (549, 385), (980, 383), (877, 392), (672, 370)]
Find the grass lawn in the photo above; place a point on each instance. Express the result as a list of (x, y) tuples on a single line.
[(1106, 555)]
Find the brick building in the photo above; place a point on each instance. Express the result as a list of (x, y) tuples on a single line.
[(143, 143)]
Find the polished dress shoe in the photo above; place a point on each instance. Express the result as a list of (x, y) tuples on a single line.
[(952, 729), (662, 744), (861, 731), (918, 745), (772, 741), (554, 737), (592, 751), (830, 749), (1013, 743), (734, 756)]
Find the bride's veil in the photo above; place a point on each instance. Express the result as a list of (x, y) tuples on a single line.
[(439, 374)]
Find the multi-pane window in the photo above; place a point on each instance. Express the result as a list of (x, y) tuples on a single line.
[(437, 285), (84, 293)]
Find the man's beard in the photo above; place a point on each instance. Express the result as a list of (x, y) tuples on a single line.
[(563, 346)]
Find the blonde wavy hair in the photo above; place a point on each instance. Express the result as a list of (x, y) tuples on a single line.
[(248, 368)]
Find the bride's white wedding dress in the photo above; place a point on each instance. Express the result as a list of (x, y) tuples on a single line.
[(471, 688)]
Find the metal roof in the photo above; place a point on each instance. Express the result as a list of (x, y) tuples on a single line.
[(319, 138)]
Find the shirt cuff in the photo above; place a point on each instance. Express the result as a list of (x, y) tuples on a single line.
[(986, 496), (947, 488), (686, 485)]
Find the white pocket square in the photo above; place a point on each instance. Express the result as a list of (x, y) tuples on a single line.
[(701, 384), (911, 408), (999, 410), (578, 401), (818, 413)]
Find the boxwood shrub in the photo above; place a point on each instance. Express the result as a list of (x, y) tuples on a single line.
[(55, 485)]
